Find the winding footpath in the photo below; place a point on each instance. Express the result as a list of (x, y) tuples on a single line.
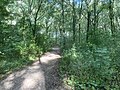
[(38, 76)]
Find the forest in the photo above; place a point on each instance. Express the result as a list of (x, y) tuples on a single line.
[(86, 31)]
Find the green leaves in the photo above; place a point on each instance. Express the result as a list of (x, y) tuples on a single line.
[(86, 72)]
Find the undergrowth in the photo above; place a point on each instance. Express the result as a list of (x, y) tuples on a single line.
[(17, 58), (90, 70), (8, 66)]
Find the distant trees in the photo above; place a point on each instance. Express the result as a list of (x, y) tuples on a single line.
[(73, 21)]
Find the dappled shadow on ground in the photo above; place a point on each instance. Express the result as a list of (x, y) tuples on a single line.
[(30, 78), (50, 68), (50, 64), (38, 76)]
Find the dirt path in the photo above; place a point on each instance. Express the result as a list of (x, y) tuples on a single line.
[(42, 76)]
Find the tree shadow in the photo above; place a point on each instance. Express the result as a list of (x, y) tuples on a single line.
[(51, 71), (38, 76), (31, 78)]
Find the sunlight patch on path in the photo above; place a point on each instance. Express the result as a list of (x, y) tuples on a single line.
[(38, 76), (49, 56), (31, 78)]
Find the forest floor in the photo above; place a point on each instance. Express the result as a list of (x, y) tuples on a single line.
[(38, 76)]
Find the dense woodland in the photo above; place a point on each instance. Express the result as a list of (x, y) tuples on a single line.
[(87, 31)]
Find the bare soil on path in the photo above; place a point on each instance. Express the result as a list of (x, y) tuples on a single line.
[(38, 76)]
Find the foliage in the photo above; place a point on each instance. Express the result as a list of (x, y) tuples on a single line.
[(88, 32), (18, 45), (87, 70)]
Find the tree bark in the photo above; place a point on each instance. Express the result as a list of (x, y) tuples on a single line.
[(111, 16), (88, 26), (63, 28), (80, 11), (73, 6)]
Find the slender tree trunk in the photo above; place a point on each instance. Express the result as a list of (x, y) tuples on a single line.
[(24, 38), (36, 16), (60, 31), (80, 11), (63, 28), (88, 26), (95, 21), (73, 20), (47, 27), (111, 16), (56, 35)]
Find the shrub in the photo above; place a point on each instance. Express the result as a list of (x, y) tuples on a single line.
[(92, 70)]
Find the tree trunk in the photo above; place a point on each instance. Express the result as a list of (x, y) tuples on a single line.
[(63, 28), (73, 21), (80, 11), (88, 26), (95, 21), (111, 16)]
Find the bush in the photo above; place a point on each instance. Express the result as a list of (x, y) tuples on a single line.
[(90, 70)]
